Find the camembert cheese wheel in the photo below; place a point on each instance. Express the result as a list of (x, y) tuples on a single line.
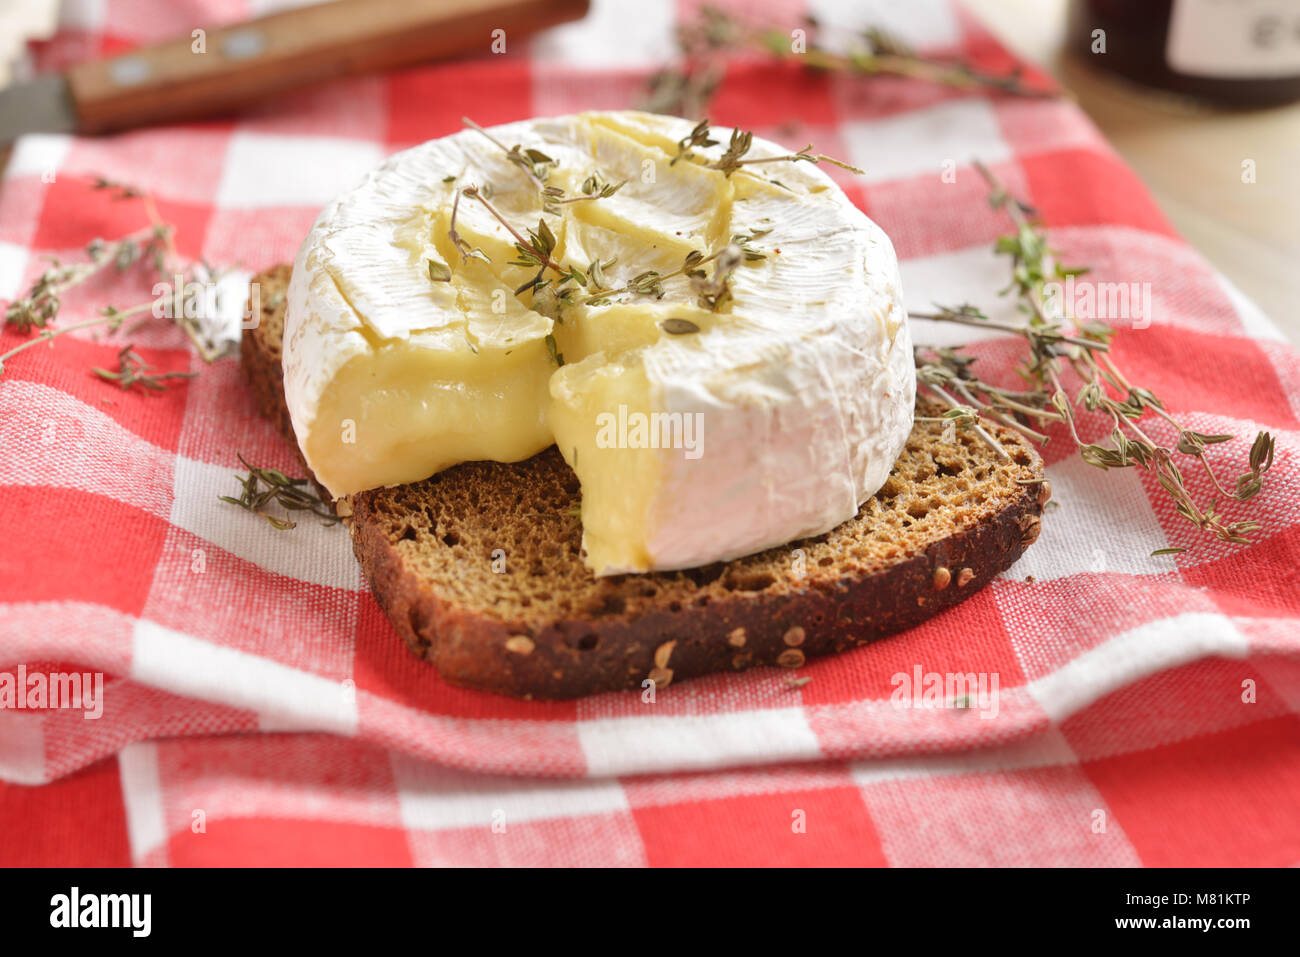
[(719, 351)]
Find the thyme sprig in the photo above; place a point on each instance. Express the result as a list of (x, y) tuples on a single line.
[(1056, 349), (740, 142), (686, 89), (152, 246), (593, 188), (650, 282), (262, 486), (549, 294), (536, 165), (41, 304), (535, 251), (738, 146), (133, 370), (467, 252), (880, 54), (697, 138)]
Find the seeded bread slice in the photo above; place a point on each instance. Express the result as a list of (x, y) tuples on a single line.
[(479, 567)]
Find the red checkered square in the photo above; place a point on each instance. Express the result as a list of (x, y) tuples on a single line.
[(869, 672), (106, 529), (489, 91), (76, 822), (752, 93), (74, 214), (829, 827), (1082, 187), (263, 801), (1255, 582), (66, 367), (279, 842), (351, 108), (1218, 800), (1203, 372)]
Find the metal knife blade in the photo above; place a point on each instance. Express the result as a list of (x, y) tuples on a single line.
[(43, 105)]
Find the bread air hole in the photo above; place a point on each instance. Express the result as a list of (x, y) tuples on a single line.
[(749, 581)]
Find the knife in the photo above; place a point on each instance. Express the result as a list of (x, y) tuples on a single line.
[(222, 69)]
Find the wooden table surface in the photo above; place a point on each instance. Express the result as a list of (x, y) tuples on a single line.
[(1190, 159)]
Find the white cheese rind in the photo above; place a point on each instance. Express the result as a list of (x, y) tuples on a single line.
[(804, 383)]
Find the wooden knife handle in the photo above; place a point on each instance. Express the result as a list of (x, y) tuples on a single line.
[(243, 63)]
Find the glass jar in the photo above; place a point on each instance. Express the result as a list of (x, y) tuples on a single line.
[(1241, 53)]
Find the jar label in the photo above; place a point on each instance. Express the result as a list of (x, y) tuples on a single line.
[(1234, 39)]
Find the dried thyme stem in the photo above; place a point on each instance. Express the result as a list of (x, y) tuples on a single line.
[(1086, 354), (954, 404), (680, 271), (1002, 326), (47, 335), (686, 90), (537, 180), (473, 192), (956, 75)]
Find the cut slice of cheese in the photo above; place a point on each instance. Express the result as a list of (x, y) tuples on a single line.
[(698, 432)]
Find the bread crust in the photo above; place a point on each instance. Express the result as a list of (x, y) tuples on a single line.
[(710, 626), (260, 350), (783, 629)]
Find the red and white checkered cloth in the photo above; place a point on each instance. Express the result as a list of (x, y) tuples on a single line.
[(259, 708)]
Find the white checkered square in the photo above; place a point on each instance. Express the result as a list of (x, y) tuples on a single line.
[(263, 170), (922, 141), (313, 552)]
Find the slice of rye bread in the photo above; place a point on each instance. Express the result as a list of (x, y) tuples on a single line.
[(479, 567)]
